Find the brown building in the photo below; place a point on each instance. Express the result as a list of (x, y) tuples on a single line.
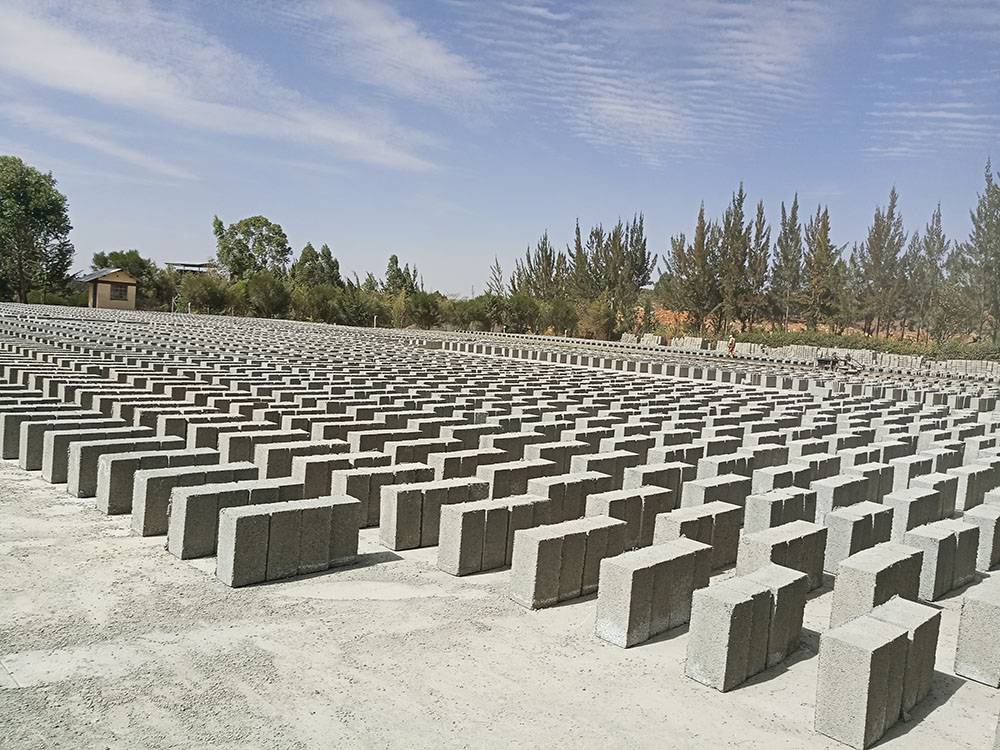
[(110, 289)]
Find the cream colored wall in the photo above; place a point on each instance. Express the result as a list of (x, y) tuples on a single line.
[(104, 300)]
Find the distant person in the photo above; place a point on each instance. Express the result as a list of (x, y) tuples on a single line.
[(732, 345)]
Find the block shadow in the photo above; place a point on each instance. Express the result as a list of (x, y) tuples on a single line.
[(943, 687), (365, 560)]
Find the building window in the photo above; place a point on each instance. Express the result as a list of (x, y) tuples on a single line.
[(119, 292)]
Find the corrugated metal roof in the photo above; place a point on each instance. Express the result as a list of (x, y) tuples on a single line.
[(99, 273)]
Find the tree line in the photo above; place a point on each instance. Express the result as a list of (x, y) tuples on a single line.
[(895, 283)]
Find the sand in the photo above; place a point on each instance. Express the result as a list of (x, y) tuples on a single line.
[(107, 641)]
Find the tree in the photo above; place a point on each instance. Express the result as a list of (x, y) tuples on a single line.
[(251, 245), (733, 251), (205, 292), (425, 309), (820, 290), (758, 261), (316, 268), (522, 314), (399, 279), (581, 285), (54, 262), (267, 295), (696, 270), (34, 227), (929, 268), (495, 285), (544, 272), (983, 249), (786, 279), (878, 266)]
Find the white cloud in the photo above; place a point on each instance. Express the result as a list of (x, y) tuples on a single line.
[(132, 57)]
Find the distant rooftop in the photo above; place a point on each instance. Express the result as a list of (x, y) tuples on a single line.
[(93, 275)]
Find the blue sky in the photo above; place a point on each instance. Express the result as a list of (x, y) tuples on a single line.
[(450, 131)]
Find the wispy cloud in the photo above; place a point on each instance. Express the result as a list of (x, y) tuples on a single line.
[(129, 56), (381, 47)]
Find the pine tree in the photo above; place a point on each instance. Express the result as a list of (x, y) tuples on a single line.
[(820, 288), (878, 262), (983, 249), (495, 286), (734, 251), (758, 260), (786, 279)]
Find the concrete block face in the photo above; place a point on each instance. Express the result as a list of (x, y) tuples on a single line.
[(460, 548), (799, 545), (872, 577), (987, 518), (727, 638), (314, 540), (535, 567), (977, 656), (859, 691), (284, 540), (243, 545), (727, 488), (624, 600), (345, 522), (193, 520), (940, 548), (838, 492), (788, 600), (776, 507), (495, 536), (912, 508), (853, 529), (922, 625), (716, 524), (574, 553), (946, 485), (401, 514)]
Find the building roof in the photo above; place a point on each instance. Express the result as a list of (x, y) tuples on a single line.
[(98, 274)]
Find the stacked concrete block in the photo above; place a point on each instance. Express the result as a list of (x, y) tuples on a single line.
[(648, 591), (671, 475), (275, 459), (727, 488), (151, 490), (315, 470), (637, 507), (260, 543), (860, 685), (973, 481), (410, 513), (911, 508), (83, 459), (872, 577), (568, 493), (511, 478), (776, 507), (922, 625), (946, 485), (479, 536), (788, 589), (781, 477), (799, 545), (838, 492), (987, 518), (906, 468), (978, 655), (880, 478), (558, 562), (366, 485), (614, 464), (729, 632), (716, 524), (853, 529), (950, 549), (116, 473)]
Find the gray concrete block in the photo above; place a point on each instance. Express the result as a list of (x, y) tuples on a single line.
[(838, 492), (987, 518), (726, 488), (859, 690), (778, 506), (728, 634), (716, 524), (535, 567), (922, 625), (872, 577), (853, 529), (284, 541), (788, 600), (243, 543), (799, 545), (911, 508), (977, 656)]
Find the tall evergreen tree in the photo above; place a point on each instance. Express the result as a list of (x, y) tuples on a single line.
[(734, 250), (495, 285), (820, 289), (786, 279), (878, 263), (983, 249), (758, 260)]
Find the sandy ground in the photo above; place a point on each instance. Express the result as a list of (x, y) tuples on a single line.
[(107, 641)]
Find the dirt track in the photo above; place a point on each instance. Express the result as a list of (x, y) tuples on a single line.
[(108, 641)]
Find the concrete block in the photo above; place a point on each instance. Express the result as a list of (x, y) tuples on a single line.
[(853, 529), (727, 488), (776, 507), (728, 634), (716, 524), (978, 655), (872, 577), (946, 485), (859, 690), (911, 508), (922, 625), (799, 545), (243, 544), (838, 492), (987, 518), (788, 601)]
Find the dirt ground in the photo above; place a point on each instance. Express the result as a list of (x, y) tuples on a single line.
[(107, 641)]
